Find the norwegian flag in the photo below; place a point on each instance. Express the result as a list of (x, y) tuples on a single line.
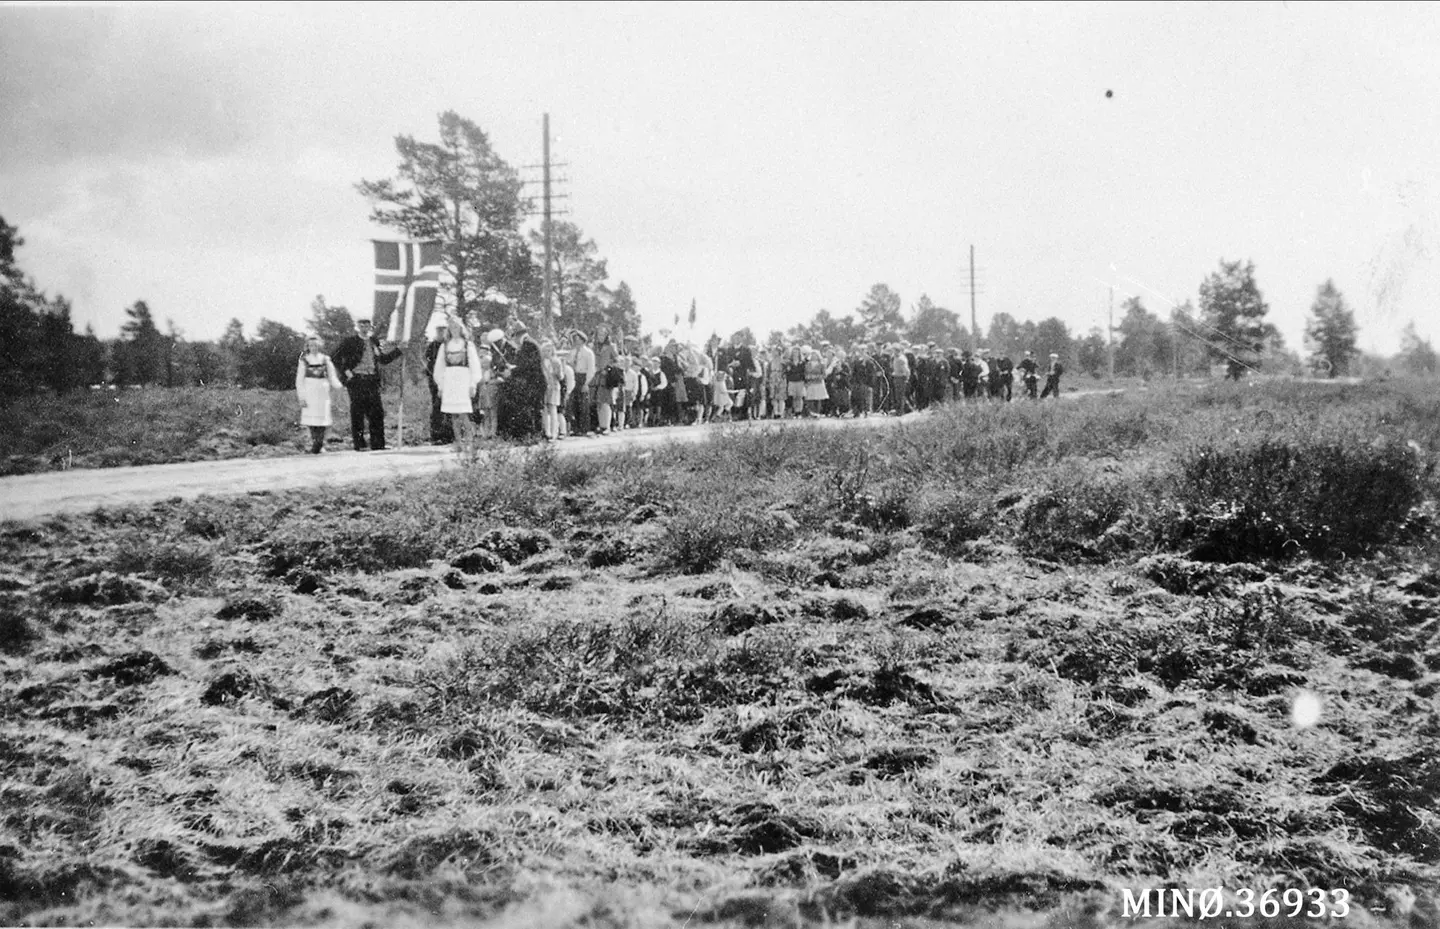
[(407, 277)]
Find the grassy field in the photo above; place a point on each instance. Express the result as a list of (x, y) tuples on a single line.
[(156, 425), (995, 669)]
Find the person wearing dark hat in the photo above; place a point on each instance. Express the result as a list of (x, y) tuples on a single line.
[(357, 360), (1029, 373), (1002, 377), (1052, 377), (970, 372)]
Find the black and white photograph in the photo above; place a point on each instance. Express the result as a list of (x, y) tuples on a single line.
[(870, 465)]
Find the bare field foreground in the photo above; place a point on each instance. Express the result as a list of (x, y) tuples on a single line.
[(1005, 666)]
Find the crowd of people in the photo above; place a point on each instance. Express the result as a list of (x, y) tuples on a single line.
[(515, 386)]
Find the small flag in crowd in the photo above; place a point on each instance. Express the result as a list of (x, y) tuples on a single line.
[(407, 277)]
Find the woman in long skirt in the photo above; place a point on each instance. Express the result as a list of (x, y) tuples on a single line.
[(315, 377), (815, 392), (457, 372)]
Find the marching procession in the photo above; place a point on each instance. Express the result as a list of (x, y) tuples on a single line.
[(491, 383)]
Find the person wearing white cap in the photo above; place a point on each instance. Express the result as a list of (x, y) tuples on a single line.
[(1052, 377)]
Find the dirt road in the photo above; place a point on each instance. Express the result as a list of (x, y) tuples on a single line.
[(35, 496)]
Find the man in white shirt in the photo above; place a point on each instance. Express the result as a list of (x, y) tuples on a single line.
[(584, 374)]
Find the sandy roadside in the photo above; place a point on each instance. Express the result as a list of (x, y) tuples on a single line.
[(35, 496)]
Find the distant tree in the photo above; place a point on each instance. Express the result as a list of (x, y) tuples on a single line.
[(10, 242), (89, 358), (231, 353), (330, 323), (746, 336), (1233, 313), (461, 192), (621, 311), (1189, 349), (182, 358), (1052, 335), (931, 323), (579, 277), (823, 327), (1005, 335), (880, 315), (270, 357), (1092, 354), (1330, 332), (1138, 348), (1417, 355), (1025, 338), (142, 349), (38, 345), (210, 367), (20, 364)]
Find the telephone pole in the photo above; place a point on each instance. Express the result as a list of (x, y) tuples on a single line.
[(1110, 337), (547, 213), (545, 322), (974, 324)]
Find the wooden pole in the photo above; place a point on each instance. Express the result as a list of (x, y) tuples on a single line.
[(546, 324), (974, 324), (1110, 338), (400, 439)]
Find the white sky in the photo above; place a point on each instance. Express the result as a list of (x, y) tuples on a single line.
[(768, 160)]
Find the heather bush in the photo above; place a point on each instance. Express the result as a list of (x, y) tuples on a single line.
[(1281, 496)]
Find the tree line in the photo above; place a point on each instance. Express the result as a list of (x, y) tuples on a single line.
[(463, 193)]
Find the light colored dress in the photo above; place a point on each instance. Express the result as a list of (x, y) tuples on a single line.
[(815, 381), (315, 377), (554, 376), (457, 371), (720, 391)]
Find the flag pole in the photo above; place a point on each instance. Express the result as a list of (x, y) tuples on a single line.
[(400, 438), (402, 308)]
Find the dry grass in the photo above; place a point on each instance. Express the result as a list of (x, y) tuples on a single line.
[(907, 678)]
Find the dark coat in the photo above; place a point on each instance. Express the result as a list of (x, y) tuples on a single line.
[(522, 394), (352, 348)]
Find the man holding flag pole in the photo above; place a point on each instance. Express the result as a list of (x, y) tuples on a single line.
[(407, 277), (358, 361)]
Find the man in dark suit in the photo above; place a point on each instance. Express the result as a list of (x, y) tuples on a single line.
[(357, 360)]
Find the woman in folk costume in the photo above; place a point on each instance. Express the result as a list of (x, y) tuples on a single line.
[(815, 392), (457, 371), (315, 377)]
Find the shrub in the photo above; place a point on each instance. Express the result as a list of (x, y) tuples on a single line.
[(647, 667), (700, 534), (1280, 496), (176, 563), (1082, 515)]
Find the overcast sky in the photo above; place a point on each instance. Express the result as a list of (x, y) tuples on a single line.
[(767, 160)]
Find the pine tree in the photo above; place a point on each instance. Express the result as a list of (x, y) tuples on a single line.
[(1330, 332)]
